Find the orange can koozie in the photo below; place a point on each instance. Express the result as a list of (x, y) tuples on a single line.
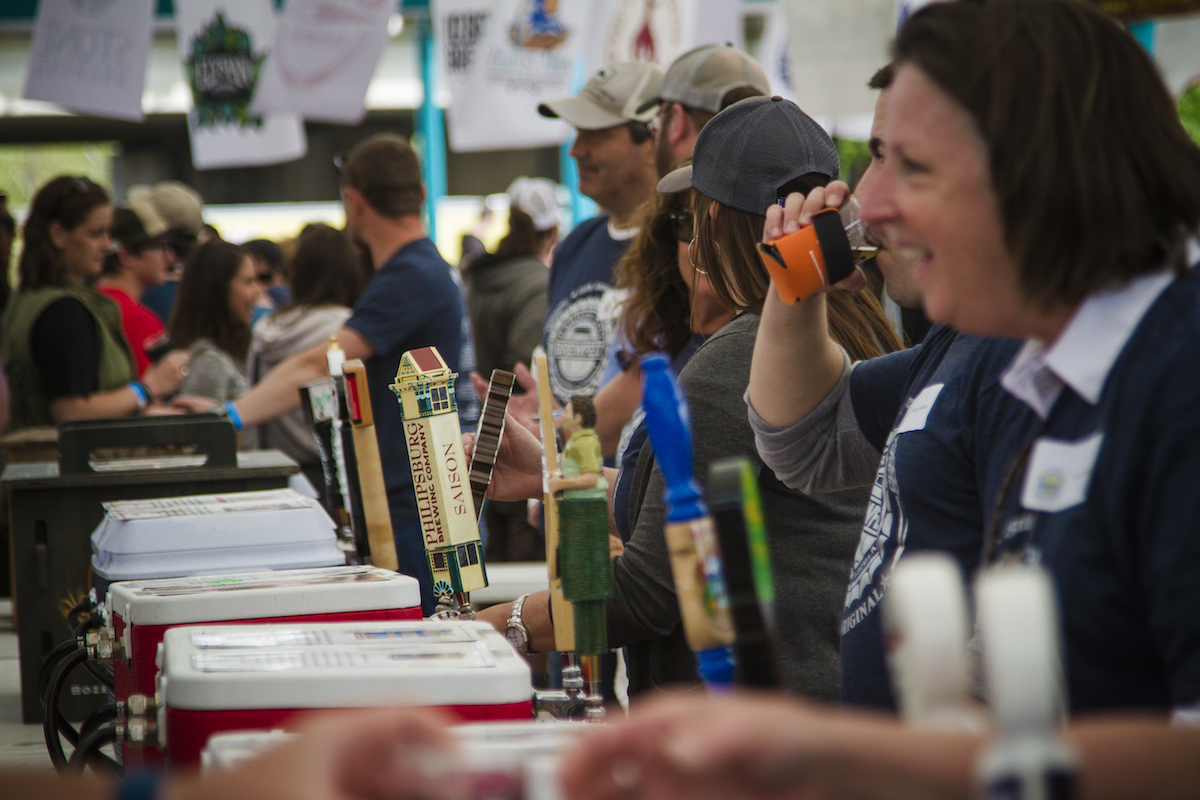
[(804, 262)]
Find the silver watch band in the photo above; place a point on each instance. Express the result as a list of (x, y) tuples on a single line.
[(515, 621)]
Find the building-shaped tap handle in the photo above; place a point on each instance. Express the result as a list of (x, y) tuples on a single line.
[(424, 388)]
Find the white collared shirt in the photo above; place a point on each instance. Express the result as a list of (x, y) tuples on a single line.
[(1088, 347)]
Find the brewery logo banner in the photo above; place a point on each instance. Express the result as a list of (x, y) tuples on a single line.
[(500, 59), (324, 56), (90, 56), (854, 35), (659, 30), (222, 47)]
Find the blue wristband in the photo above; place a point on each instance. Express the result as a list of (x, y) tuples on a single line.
[(142, 786), (141, 392), (234, 417)]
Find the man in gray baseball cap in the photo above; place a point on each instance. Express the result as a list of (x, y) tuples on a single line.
[(698, 84)]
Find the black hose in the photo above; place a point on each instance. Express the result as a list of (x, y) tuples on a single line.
[(86, 624), (50, 661), (52, 721), (78, 608), (102, 674), (88, 751), (101, 716)]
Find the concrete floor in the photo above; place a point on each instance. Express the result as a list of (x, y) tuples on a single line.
[(20, 745)]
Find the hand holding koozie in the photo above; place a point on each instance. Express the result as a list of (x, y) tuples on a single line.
[(825, 253)]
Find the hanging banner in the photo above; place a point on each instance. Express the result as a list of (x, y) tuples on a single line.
[(641, 30), (500, 59), (325, 54), (222, 46), (851, 34), (906, 8), (659, 30), (773, 52), (91, 57)]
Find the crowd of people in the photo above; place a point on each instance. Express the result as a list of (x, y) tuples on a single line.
[(1030, 187)]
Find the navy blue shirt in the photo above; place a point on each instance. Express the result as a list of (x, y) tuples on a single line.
[(577, 336), (948, 432), (1124, 553), (410, 302)]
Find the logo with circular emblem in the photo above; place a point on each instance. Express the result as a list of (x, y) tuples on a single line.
[(1050, 484)]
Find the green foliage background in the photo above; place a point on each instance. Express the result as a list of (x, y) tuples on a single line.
[(23, 168), (1189, 111)]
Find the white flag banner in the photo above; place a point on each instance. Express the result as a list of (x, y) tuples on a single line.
[(222, 46), (500, 59), (91, 57), (906, 8), (325, 54), (835, 48), (644, 30), (773, 51)]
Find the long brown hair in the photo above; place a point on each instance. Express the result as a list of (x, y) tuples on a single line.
[(68, 201), (324, 269), (856, 320), (656, 315), (202, 305)]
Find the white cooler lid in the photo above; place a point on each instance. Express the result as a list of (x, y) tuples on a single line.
[(255, 595), (202, 534), (341, 665)]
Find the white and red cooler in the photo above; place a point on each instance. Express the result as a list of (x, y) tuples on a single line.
[(492, 760), (229, 678), (140, 612)]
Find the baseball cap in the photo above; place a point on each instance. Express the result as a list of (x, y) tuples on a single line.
[(613, 96), (537, 198), (702, 76), (136, 222), (179, 205), (746, 152)]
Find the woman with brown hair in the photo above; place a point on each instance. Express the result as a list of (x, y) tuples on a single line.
[(65, 353), (217, 294), (326, 277), (812, 537)]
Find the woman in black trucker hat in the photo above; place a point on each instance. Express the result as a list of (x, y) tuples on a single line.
[(747, 157), (812, 536)]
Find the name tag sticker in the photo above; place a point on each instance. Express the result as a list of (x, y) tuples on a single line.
[(1059, 473), (918, 410)]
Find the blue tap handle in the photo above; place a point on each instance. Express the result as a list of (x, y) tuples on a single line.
[(669, 428)]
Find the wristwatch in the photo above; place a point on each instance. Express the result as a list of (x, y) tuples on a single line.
[(515, 630)]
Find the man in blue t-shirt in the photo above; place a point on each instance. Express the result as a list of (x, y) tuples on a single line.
[(412, 301), (931, 426), (614, 150)]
